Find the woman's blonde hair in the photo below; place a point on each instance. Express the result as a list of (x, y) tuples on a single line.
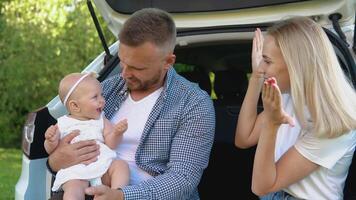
[(316, 78)]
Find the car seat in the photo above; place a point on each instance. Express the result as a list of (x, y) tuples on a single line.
[(230, 86), (200, 77)]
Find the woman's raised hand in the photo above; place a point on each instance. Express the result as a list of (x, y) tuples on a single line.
[(256, 55)]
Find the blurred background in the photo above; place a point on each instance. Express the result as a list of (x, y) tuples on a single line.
[(40, 42)]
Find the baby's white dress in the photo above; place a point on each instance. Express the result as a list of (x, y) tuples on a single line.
[(89, 129)]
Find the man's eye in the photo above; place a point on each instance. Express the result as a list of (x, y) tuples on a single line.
[(135, 68)]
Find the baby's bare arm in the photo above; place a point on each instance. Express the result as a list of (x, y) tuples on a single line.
[(113, 133), (51, 138)]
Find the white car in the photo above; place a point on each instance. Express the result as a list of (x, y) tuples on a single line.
[(213, 49)]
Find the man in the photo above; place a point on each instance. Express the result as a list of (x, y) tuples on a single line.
[(171, 120)]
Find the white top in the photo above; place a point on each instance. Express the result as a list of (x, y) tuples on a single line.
[(89, 129), (287, 135), (136, 113), (334, 157)]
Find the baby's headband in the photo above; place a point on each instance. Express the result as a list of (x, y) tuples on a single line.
[(73, 87)]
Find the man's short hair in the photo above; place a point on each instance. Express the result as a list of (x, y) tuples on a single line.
[(149, 25)]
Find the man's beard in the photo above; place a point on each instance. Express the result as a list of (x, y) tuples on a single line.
[(138, 85)]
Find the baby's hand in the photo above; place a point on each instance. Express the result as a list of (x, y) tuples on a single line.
[(120, 127), (52, 134), (52, 139)]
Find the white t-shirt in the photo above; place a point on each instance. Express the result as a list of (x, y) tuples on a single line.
[(136, 113), (334, 157), (286, 135)]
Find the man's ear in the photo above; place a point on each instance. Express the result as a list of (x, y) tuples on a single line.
[(170, 60), (73, 106)]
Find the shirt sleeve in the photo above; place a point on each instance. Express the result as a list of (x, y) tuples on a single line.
[(324, 151)]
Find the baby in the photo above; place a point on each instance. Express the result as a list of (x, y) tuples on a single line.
[(82, 96)]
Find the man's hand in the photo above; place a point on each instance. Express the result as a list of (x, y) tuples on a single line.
[(103, 192), (67, 154)]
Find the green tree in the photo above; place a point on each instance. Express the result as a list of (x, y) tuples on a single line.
[(40, 42)]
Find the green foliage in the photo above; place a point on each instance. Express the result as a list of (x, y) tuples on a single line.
[(181, 67), (41, 41), (10, 170)]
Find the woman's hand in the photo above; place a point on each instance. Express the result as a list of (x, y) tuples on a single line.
[(272, 104), (256, 54)]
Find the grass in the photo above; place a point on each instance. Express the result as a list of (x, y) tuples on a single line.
[(10, 170)]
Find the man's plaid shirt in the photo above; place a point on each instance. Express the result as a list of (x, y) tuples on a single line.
[(176, 141)]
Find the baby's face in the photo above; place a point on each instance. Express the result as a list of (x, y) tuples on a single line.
[(90, 99)]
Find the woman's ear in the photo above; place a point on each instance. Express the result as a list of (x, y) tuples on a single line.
[(73, 106)]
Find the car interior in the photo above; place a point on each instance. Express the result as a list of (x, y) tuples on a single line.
[(230, 169)]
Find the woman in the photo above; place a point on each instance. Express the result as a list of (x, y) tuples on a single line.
[(306, 134)]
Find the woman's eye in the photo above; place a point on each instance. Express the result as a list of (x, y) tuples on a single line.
[(267, 61)]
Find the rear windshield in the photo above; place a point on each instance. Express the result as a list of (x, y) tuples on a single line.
[(181, 6)]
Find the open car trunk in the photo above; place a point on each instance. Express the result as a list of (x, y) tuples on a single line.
[(181, 6), (222, 68), (213, 50)]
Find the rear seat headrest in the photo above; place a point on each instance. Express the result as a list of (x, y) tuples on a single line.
[(199, 77), (230, 85)]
